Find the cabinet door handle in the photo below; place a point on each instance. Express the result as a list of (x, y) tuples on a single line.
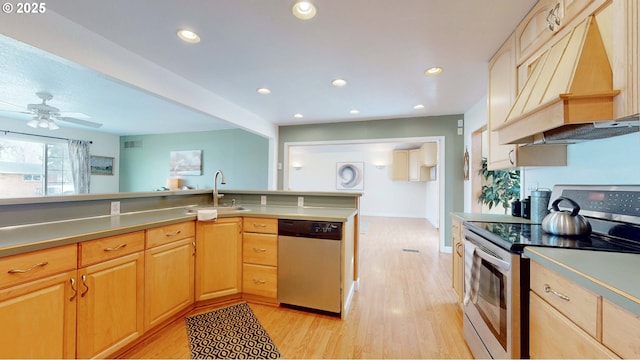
[(548, 289), (511, 159), (22, 271), (194, 247), (173, 233), (73, 287), (259, 225), (86, 287), (115, 248), (259, 249), (458, 246), (259, 282)]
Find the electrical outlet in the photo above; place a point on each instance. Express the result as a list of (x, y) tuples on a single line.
[(459, 131), (115, 208), (300, 201), (263, 200)]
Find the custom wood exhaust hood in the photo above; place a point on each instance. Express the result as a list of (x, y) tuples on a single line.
[(570, 86)]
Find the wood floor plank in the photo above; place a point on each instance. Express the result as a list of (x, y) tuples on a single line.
[(404, 307)]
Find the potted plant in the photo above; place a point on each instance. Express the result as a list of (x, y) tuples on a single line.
[(500, 186)]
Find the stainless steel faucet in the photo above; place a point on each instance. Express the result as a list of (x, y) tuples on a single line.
[(217, 196)]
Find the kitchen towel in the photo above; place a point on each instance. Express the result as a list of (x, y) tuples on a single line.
[(472, 264)]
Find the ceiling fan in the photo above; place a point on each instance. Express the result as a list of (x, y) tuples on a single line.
[(44, 115)]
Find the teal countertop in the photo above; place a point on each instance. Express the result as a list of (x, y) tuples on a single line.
[(612, 275), (462, 216), (24, 238)]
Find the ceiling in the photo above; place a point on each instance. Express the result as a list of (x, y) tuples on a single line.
[(381, 47)]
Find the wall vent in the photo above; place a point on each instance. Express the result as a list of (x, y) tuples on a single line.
[(133, 144)]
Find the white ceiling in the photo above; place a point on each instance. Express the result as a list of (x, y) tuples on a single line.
[(381, 47)]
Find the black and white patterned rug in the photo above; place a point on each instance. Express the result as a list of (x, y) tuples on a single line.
[(232, 332)]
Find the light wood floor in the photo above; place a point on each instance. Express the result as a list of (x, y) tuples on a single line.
[(404, 308)]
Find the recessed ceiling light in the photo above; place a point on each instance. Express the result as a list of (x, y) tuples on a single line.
[(419, 107), (298, 116), (339, 82), (354, 111), (433, 71), (304, 9), (263, 91), (188, 36)]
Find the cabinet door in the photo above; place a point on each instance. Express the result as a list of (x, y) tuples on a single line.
[(169, 277), (414, 165), (552, 335), (400, 165), (39, 318), (218, 258), (500, 97), (110, 305), (458, 259)]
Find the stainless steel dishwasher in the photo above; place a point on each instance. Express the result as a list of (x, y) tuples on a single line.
[(309, 264)]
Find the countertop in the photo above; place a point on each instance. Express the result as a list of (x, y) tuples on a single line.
[(612, 275), (489, 217), (24, 238)]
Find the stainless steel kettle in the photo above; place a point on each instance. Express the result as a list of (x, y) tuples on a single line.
[(565, 222)]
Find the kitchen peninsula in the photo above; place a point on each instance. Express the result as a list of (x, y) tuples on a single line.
[(130, 269)]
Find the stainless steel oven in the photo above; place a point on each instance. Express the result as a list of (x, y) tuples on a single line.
[(495, 325)]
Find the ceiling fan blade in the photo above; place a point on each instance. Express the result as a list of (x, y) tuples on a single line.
[(9, 107), (79, 121), (76, 115)]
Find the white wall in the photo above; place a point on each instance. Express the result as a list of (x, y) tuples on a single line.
[(103, 145), (381, 195)]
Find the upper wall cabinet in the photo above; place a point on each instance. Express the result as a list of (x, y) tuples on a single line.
[(414, 164), (545, 19)]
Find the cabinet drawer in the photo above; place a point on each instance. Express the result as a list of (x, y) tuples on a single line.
[(166, 234), (260, 225), (620, 330), (34, 265), (580, 305), (261, 249), (260, 280), (95, 251)]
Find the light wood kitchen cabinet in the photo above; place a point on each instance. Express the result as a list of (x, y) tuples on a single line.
[(429, 154), (169, 271), (500, 97), (545, 19), (218, 258), (620, 330), (111, 292), (568, 321), (38, 304), (400, 165), (457, 271), (260, 259), (553, 335)]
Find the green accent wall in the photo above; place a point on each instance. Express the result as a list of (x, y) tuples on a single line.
[(446, 126), (242, 156)]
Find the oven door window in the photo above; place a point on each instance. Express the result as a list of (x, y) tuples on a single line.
[(492, 302)]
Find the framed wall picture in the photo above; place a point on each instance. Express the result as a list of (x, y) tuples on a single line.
[(101, 165), (185, 162), (350, 176)]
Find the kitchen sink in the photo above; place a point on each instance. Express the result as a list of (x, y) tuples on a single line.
[(221, 209)]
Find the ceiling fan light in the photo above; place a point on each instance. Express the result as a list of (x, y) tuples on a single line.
[(53, 125), (43, 123), (304, 9), (33, 123)]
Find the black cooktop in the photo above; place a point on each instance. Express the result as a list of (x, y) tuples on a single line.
[(515, 236)]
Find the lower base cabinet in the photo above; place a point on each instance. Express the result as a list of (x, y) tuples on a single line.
[(457, 264), (218, 258), (39, 319), (552, 335), (110, 305)]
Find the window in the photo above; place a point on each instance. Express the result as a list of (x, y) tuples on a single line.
[(32, 168)]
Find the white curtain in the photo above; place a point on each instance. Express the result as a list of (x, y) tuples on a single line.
[(80, 165)]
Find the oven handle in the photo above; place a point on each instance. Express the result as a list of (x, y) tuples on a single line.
[(492, 259)]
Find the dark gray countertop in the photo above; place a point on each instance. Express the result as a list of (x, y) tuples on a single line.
[(24, 238)]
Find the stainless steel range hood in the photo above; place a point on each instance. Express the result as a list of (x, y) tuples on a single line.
[(568, 96), (573, 133)]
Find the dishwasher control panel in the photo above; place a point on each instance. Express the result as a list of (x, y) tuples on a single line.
[(310, 229)]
